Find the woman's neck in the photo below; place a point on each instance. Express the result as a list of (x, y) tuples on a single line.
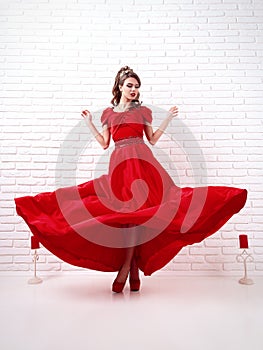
[(123, 105)]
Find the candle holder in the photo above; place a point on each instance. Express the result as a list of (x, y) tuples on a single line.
[(243, 257), (35, 279)]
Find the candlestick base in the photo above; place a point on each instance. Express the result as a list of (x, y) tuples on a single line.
[(247, 281), (244, 257), (35, 280)]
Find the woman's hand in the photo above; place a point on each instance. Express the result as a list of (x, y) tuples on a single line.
[(86, 115), (173, 112)]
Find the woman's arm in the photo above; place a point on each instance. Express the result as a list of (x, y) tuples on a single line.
[(104, 138), (153, 137)]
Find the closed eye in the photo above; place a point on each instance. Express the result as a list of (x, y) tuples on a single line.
[(130, 85)]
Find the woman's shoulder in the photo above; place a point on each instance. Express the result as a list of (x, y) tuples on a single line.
[(107, 110), (146, 113), (145, 108), (106, 113)]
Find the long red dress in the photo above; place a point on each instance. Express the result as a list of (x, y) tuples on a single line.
[(135, 204)]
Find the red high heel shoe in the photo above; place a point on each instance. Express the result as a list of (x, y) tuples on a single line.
[(117, 287), (134, 277), (135, 285)]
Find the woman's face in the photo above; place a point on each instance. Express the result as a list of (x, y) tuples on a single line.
[(129, 90)]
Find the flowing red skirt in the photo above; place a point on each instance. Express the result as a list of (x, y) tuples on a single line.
[(135, 204)]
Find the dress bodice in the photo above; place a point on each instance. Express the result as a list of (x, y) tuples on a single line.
[(128, 124)]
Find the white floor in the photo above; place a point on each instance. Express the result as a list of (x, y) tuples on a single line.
[(80, 312)]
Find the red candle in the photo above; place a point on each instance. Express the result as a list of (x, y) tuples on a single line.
[(243, 242), (34, 243)]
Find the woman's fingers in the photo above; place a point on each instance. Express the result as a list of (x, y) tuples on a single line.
[(85, 114), (174, 111)]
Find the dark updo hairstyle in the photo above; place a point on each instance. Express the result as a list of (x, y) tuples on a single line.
[(122, 75)]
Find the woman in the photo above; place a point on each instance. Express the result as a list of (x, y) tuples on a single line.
[(134, 217)]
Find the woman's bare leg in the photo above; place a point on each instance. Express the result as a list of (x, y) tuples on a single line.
[(130, 240), (134, 271), (124, 271)]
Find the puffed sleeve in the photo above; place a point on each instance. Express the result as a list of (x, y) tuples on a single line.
[(105, 116), (147, 115)]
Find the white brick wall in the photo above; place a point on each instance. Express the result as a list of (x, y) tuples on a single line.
[(58, 57)]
